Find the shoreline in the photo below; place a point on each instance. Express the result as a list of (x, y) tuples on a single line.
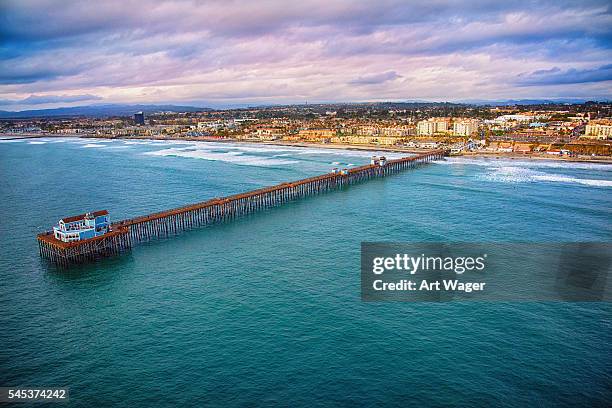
[(493, 155), (392, 149), (490, 155)]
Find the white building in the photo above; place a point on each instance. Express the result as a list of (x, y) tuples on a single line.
[(394, 131), (515, 118), (601, 131), (465, 127), (212, 125), (269, 133), (432, 126)]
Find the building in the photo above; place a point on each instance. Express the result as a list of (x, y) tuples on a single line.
[(269, 133), (504, 147), (505, 122), (316, 134), (515, 118), (389, 140), (521, 147), (216, 125), (432, 126), (600, 130), (422, 145), (369, 130), (353, 139), (465, 127), (139, 119), (82, 226), (396, 131)]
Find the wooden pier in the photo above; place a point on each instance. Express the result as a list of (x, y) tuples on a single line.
[(163, 224), (67, 253)]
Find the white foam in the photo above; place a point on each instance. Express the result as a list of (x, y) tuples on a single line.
[(165, 152), (257, 154), (37, 142), (265, 148), (73, 140), (255, 149), (277, 150), (116, 147), (234, 157), (535, 163), (92, 145), (517, 174), (352, 153), (564, 179)]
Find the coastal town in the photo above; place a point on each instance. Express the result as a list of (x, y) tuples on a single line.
[(569, 131), (306, 204)]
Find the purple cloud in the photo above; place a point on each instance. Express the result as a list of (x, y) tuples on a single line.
[(372, 79), (249, 52), (555, 76), (46, 99)]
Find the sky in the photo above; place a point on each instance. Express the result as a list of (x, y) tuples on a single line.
[(237, 53)]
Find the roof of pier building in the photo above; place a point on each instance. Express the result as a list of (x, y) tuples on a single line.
[(74, 218)]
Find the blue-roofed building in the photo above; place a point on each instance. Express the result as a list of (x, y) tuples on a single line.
[(84, 226)]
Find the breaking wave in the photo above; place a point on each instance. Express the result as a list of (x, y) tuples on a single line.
[(516, 174), (234, 157), (534, 164)]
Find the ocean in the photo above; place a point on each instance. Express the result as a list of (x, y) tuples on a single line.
[(266, 309)]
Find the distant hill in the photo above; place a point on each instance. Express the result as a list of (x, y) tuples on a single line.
[(98, 111), (510, 102)]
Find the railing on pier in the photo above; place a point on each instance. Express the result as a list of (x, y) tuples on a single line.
[(165, 223)]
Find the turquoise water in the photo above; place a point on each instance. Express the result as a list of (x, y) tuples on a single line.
[(267, 309)]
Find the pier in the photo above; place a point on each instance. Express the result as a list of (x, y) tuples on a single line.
[(125, 233)]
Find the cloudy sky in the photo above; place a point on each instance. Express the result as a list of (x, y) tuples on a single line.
[(221, 53)]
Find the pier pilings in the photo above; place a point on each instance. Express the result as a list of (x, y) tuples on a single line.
[(165, 223), (67, 253)]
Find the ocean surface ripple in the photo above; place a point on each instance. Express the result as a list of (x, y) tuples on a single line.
[(266, 309)]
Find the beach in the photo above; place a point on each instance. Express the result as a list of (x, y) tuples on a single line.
[(395, 149)]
